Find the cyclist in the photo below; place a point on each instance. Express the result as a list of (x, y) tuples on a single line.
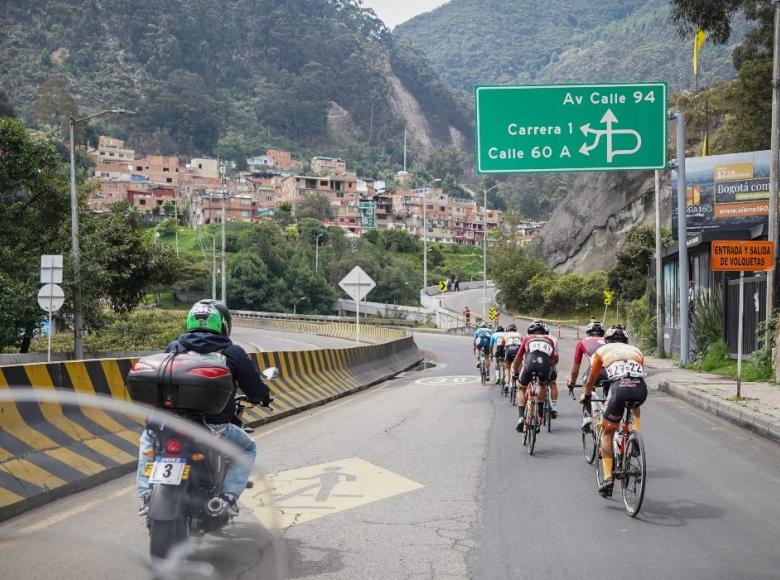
[(512, 341), (587, 347), (208, 330), (624, 364), (497, 350), (482, 345), (538, 354)]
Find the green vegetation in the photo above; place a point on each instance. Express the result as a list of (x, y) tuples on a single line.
[(230, 78), (475, 42), (119, 260), (716, 360)]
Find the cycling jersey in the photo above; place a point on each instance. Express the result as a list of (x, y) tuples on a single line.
[(482, 338), (512, 342), (624, 365), (588, 346), (494, 338), (538, 355)]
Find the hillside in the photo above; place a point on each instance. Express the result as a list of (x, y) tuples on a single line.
[(498, 41), (234, 77)]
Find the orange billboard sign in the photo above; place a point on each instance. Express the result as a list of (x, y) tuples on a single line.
[(742, 256)]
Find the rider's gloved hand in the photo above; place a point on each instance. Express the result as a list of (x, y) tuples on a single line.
[(570, 383), (267, 401), (583, 398)]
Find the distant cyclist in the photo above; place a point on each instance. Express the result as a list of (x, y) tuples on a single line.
[(625, 371), (512, 341), (537, 355), (482, 344), (497, 350), (587, 347)]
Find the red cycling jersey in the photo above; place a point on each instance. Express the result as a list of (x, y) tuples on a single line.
[(536, 342), (588, 345)]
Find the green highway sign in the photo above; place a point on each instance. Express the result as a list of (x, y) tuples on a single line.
[(556, 128)]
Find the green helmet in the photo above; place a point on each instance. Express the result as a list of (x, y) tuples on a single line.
[(210, 316)]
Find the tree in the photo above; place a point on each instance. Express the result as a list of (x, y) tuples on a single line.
[(316, 206), (168, 208), (6, 108), (34, 211), (53, 107), (248, 283), (629, 276)]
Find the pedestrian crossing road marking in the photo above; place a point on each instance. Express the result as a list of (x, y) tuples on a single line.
[(309, 493)]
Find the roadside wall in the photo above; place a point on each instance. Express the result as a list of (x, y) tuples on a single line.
[(48, 451)]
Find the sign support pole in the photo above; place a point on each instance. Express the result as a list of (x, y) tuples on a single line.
[(357, 318), (659, 272), (51, 300), (682, 236), (772, 233), (739, 332)]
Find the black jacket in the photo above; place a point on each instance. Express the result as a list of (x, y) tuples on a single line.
[(245, 374)]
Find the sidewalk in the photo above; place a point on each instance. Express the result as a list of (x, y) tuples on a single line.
[(759, 412)]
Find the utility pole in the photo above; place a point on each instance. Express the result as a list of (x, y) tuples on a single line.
[(317, 254), (773, 166), (224, 257), (434, 183), (682, 235), (484, 253), (659, 273), (78, 326)]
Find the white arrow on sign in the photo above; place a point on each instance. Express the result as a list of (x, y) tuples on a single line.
[(51, 295), (357, 284), (609, 119)]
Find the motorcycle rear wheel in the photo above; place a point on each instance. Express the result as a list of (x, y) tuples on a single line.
[(165, 534)]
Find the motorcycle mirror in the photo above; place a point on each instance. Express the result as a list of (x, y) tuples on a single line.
[(271, 373)]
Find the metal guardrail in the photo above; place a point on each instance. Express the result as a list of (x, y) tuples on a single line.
[(321, 318)]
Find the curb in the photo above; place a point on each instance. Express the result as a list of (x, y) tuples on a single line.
[(746, 418)]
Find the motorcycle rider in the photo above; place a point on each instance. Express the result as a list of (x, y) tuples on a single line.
[(208, 330)]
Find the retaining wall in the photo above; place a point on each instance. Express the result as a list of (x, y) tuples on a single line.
[(48, 451)]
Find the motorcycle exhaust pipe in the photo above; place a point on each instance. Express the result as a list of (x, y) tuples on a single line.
[(216, 506)]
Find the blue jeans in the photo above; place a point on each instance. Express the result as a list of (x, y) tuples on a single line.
[(237, 474)]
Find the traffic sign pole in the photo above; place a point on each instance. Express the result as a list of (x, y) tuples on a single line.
[(739, 332), (682, 236), (51, 300)]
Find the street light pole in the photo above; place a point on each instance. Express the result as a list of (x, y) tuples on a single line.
[(425, 235), (774, 164), (78, 330), (484, 253), (224, 257), (682, 236)]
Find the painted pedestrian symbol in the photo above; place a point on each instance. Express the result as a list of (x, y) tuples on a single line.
[(325, 484), (609, 119)]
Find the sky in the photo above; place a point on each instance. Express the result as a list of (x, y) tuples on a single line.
[(393, 12)]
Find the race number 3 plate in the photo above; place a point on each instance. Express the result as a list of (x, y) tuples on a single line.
[(168, 470)]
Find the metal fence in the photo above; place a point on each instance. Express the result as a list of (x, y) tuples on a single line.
[(754, 314)]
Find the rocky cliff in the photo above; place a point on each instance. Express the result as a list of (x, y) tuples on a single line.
[(586, 230)]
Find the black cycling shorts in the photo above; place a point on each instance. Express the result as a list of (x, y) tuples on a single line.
[(500, 351), (539, 364), (622, 392), (510, 353), (485, 350)]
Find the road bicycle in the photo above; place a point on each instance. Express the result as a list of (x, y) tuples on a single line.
[(547, 411), (500, 373), (629, 460), (483, 370), (512, 391), (591, 423), (532, 419)]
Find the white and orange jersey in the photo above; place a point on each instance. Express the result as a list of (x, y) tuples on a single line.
[(619, 360), (511, 338)]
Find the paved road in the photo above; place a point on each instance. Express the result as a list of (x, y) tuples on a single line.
[(424, 477), (255, 340)]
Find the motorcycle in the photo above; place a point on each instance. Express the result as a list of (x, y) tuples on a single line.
[(185, 476)]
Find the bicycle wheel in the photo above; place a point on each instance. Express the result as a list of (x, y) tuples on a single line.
[(548, 411), (599, 468), (589, 440), (513, 396), (482, 373), (530, 425), (634, 476)]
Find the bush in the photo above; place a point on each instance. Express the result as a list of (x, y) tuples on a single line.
[(641, 319), (706, 322)]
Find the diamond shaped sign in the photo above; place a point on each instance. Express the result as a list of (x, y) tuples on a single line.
[(357, 284)]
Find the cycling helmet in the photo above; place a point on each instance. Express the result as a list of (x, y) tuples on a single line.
[(500, 329), (595, 328), (210, 316), (537, 327), (616, 334), (512, 328)]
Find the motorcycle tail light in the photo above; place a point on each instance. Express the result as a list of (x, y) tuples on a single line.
[(197, 457), (148, 452), (209, 372), (141, 366), (173, 446)]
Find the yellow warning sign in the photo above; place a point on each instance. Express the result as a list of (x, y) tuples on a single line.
[(492, 313), (608, 295), (312, 492), (442, 285)]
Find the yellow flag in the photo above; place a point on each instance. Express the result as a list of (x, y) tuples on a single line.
[(705, 148), (697, 43)]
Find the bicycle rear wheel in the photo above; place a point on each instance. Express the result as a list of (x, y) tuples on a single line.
[(589, 440), (599, 467), (634, 474), (512, 396), (548, 411), (482, 372), (530, 425)]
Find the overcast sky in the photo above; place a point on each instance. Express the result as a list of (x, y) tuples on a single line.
[(394, 12)]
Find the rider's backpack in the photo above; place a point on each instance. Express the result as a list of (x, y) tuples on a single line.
[(187, 381)]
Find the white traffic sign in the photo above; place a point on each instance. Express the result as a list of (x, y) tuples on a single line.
[(51, 296), (51, 269), (357, 284)]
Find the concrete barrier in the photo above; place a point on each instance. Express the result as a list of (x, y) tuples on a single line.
[(48, 451)]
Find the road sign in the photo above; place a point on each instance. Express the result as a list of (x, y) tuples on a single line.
[(51, 294), (357, 284), (549, 128), (742, 256), (442, 285), (492, 313), (608, 295), (51, 269)]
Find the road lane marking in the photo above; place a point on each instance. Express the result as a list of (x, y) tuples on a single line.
[(449, 380), (311, 492)]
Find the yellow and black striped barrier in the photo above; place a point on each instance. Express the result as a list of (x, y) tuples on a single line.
[(49, 450)]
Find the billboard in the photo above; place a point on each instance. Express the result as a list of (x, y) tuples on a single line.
[(724, 192)]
